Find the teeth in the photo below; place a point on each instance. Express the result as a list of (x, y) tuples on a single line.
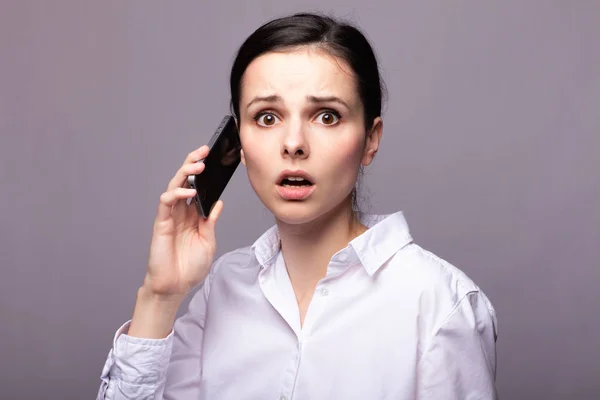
[(294, 178)]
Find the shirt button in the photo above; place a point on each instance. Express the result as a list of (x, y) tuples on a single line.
[(343, 257), (283, 398), (324, 292)]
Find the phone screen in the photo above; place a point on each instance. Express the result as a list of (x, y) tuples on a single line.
[(220, 164)]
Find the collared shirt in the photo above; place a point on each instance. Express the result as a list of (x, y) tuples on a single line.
[(390, 320)]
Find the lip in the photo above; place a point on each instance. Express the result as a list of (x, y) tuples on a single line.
[(298, 173), (295, 193)]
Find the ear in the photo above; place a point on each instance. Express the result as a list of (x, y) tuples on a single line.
[(372, 141)]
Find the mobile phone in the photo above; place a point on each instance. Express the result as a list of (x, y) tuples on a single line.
[(221, 162)]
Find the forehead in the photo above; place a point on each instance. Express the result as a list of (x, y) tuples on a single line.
[(299, 72)]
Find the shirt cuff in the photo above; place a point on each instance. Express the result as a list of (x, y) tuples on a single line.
[(140, 360)]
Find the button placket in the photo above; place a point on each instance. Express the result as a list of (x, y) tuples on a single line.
[(291, 374)]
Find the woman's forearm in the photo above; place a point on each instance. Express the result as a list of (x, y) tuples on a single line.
[(153, 315)]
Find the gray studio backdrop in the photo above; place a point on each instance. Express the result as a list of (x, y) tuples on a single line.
[(490, 146)]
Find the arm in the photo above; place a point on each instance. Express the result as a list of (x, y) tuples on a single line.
[(149, 353), (460, 359), (160, 368)]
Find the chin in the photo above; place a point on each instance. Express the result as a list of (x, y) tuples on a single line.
[(303, 212), (299, 212), (295, 212)]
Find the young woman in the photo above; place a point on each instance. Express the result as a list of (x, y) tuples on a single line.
[(330, 303)]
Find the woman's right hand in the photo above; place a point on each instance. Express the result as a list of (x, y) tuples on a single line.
[(181, 253), (183, 243)]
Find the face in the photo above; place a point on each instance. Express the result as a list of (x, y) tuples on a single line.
[(303, 133)]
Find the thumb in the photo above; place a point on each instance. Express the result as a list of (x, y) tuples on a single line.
[(214, 214)]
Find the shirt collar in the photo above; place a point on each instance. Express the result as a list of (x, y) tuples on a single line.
[(267, 246), (385, 235)]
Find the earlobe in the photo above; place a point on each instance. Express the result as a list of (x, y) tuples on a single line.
[(372, 143)]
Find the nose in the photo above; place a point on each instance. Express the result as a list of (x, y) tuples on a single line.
[(295, 143)]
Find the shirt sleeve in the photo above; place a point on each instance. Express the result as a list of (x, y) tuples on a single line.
[(156, 369), (459, 362)]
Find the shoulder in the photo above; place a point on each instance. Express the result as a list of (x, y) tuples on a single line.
[(234, 265), (440, 287), (223, 268), (240, 257), (432, 271)]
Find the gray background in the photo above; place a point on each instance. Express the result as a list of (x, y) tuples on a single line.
[(490, 146)]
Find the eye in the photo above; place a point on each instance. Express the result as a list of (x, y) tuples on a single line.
[(266, 119), (329, 117)]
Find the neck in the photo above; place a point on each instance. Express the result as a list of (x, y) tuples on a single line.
[(308, 248)]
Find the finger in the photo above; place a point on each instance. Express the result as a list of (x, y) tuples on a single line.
[(169, 199), (197, 154), (181, 176), (206, 227), (215, 213), (191, 159)]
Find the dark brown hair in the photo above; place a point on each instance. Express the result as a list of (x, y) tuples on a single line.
[(338, 38)]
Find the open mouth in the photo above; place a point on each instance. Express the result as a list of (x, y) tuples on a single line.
[(295, 185), (294, 182)]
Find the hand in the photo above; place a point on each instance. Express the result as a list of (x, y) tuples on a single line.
[(183, 243)]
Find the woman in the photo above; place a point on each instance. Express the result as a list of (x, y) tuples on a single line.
[(329, 303)]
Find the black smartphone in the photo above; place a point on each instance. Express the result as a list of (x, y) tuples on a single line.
[(221, 162)]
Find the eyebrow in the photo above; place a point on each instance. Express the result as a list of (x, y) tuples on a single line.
[(327, 99), (313, 99), (267, 99)]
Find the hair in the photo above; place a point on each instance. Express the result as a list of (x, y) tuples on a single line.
[(337, 38)]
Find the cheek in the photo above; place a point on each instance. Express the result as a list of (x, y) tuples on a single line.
[(256, 155), (347, 155)]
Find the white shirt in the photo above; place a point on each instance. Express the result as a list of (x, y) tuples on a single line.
[(390, 320)]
